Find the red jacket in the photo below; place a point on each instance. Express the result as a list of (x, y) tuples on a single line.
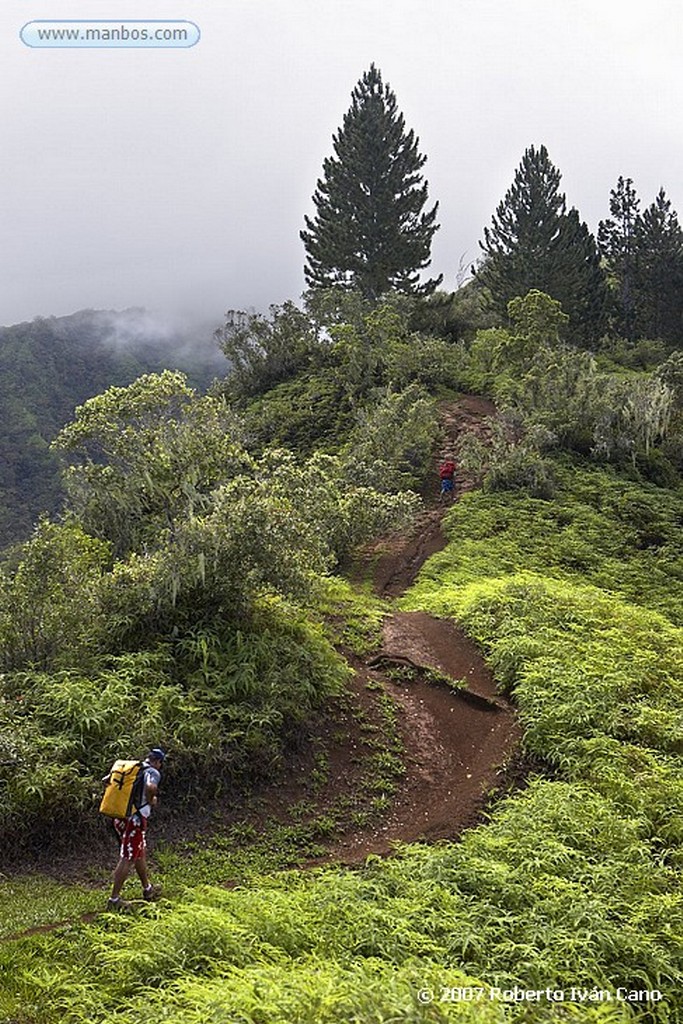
[(447, 470)]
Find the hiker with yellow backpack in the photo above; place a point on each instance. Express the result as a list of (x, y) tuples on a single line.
[(130, 797)]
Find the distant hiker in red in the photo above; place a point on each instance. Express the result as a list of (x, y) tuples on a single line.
[(447, 476), (131, 833)]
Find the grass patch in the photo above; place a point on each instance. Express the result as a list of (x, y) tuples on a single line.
[(36, 901), (353, 615), (623, 537)]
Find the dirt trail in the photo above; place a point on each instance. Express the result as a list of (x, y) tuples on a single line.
[(403, 556), (456, 740)]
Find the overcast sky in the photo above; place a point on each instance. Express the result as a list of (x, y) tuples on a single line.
[(178, 179)]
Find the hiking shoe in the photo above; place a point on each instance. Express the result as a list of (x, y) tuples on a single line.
[(117, 905), (152, 893)]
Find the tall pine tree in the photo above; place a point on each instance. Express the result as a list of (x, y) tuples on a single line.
[(583, 290), (370, 231), (534, 243), (659, 273), (618, 243)]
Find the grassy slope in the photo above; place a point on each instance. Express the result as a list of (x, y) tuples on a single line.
[(574, 882), (601, 529)]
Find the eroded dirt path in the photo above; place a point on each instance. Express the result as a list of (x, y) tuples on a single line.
[(456, 741), (403, 556)]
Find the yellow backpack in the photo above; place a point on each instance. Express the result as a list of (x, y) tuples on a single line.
[(125, 790)]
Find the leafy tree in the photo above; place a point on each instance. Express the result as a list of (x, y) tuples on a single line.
[(49, 366), (618, 243), (363, 349), (311, 411), (334, 510), (197, 524), (48, 596), (265, 350), (370, 231), (587, 410), (541, 379), (537, 318), (533, 243), (671, 373), (146, 457), (537, 323), (659, 272), (454, 316), (250, 536)]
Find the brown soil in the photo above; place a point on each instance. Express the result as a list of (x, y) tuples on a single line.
[(401, 557), (456, 741)]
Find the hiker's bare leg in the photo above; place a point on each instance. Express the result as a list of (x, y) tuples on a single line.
[(143, 874), (121, 872)]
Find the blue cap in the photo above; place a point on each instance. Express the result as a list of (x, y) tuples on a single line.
[(158, 754)]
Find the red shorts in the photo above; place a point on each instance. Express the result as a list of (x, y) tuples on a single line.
[(131, 832)]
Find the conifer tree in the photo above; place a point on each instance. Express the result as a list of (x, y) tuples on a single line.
[(659, 273), (370, 231), (534, 243), (618, 243), (583, 292)]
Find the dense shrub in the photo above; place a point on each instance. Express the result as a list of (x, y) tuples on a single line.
[(263, 350), (433, 362), (549, 384), (223, 701), (313, 411), (640, 354), (392, 444), (510, 458), (49, 606)]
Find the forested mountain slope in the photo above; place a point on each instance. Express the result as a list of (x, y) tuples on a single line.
[(49, 366)]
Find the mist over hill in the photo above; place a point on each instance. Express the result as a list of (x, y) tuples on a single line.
[(50, 365)]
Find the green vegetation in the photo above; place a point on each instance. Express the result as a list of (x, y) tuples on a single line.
[(573, 883), (352, 615), (600, 528), (188, 597), (552, 397), (39, 902), (165, 609), (51, 365), (315, 379), (226, 702), (643, 256), (370, 231), (627, 288), (534, 243)]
